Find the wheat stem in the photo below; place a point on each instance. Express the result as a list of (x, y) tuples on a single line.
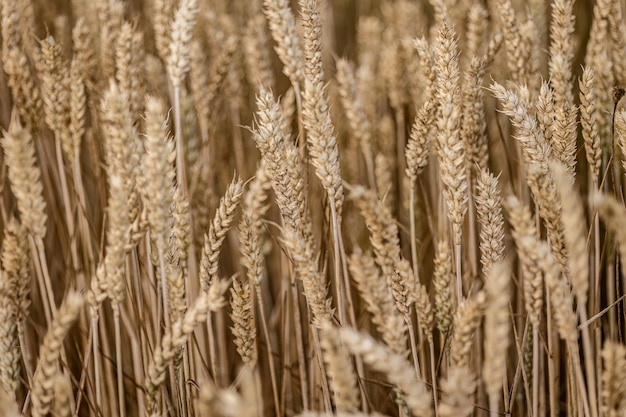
[(118, 358), (268, 343)]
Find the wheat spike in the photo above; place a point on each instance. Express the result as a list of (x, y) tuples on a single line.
[(180, 38), (25, 178), (224, 216), (443, 277), (342, 376), (243, 328), (489, 211), (613, 383), (396, 368), (467, 319), (452, 151), (176, 337), (42, 392), (282, 25)]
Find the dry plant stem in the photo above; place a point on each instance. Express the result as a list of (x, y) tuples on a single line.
[(212, 347), (610, 291), (164, 284), (324, 377), (110, 404), (341, 270), (297, 322), (67, 204), (137, 361), (25, 350), (268, 344), (414, 347), (185, 376), (494, 405), (341, 281), (118, 359), (413, 231), (95, 317), (535, 382), (82, 206), (222, 369), (595, 305), (471, 216), (573, 351), (589, 364), (400, 143), (181, 171), (83, 374), (344, 263), (552, 382), (41, 268), (301, 140), (459, 274), (433, 372)]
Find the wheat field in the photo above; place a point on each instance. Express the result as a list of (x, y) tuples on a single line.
[(312, 208)]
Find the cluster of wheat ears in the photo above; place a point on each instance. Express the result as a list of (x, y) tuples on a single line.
[(313, 207)]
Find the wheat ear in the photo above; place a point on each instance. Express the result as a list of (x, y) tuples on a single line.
[(8, 405), (467, 319), (173, 340), (561, 54), (9, 342), (386, 244), (26, 184), (443, 277), (343, 379), (379, 301), (282, 25), (395, 367), (251, 240), (613, 383), (177, 67), (63, 396), (352, 104), (243, 328), (17, 276), (257, 53), (489, 210), (42, 391), (224, 217), (458, 388), (24, 90)]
